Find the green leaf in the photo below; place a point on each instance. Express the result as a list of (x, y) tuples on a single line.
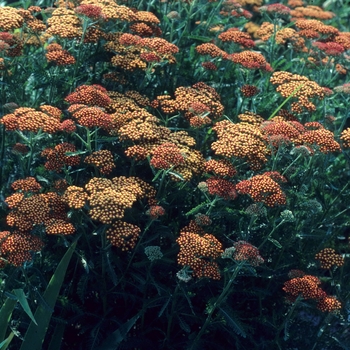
[(5, 316), (112, 342), (24, 303), (233, 323), (275, 242), (4, 344), (35, 334)]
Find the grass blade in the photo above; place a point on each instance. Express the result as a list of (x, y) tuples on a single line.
[(24, 303)]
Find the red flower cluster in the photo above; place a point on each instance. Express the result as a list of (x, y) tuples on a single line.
[(57, 158), (91, 95), (263, 188), (244, 251), (221, 187)]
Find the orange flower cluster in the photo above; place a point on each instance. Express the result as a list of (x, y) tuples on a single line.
[(221, 167), (313, 25), (309, 288), (166, 156), (238, 37), (322, 138), (29, 184), (16, 247), (75, 197), (102, 160), (281, 35), (10, 18), (91, 116), (302, 88), (57, 158), (244, 251), (198, 250), (250, 60), (200, 104), (210, 49), (235, 8), (328, 258), (28, 119), (135, 124), (134, 52), (108, 199), (29, 210), (64, 23), (242, 140), (57, 55), (310, 11), (264, 188), (123, 235), (345, 137), (155, 211), (221, 187), (91, 95)]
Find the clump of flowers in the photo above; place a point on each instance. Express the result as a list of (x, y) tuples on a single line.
[(153, 252), (102, 160), (90, 95), (250, 60), (242, 140), (123, 235), (264, 188), (300, 87), (221, 187), (244, 251), (155, 211), (328, 258), (199, 250)]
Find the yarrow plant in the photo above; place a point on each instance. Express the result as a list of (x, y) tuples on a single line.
[(174, 175)]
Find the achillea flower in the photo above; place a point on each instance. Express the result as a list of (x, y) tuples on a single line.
[(289, 130), (10, 18), (210, 49), (147, 17), (142, 29), (153, 252), (16, 247), (328, 258), (275, 9), (250, 60), (345, 137), (323, 139), (68, 126), (13, 200), (59, 56), (75, 197), (91, 117), (307, 286), (166, 156), (221, 167), (155, 211), (202, 220), (29, 184), (221, 187), (102, 160), (123, 235), (19, 148), (345, 88), (199, 251), (108, 199), (244, 251), (28, 119), (91, 11), (256, 209), (242, 140), (263, 188), (329, 48), (238, 37), (310, 11), (301, 87), (318, 26), (159, 45), (329, 304), (57, 158), (91, 95), (209, 66), (64, 23), (55, 226), (343, 39), (249, 90)]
